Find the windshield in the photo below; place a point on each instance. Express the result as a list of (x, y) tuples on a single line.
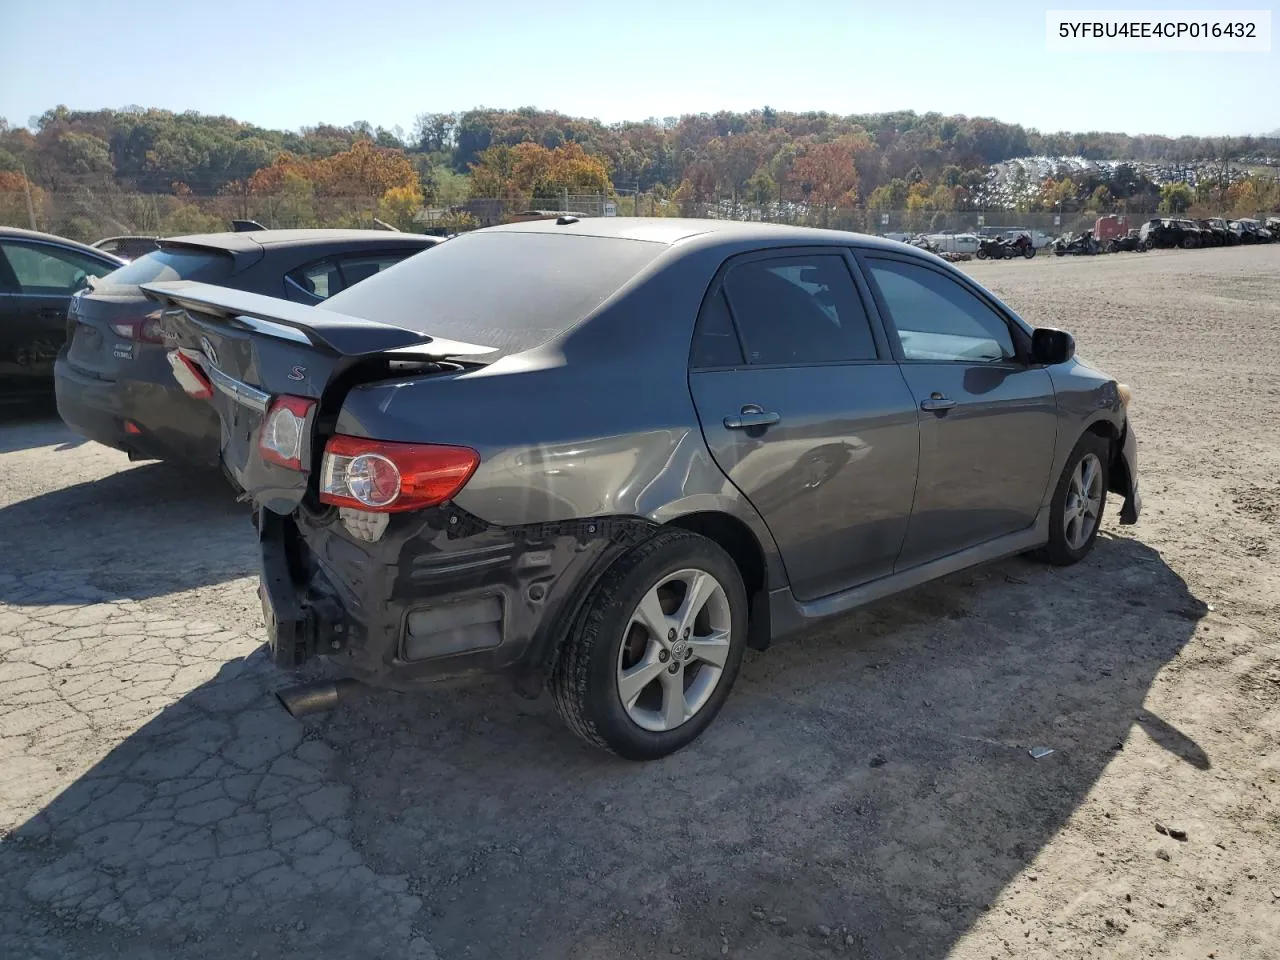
[(510, 291), (174, 263)]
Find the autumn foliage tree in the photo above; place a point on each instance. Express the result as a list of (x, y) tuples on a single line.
[(531, 170), (827, 173)]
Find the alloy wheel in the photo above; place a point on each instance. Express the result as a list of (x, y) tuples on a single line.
[(1083, 505), (674, 650)]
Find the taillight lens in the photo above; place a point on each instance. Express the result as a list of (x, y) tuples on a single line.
[(189, 376), (144, 329), (284, 430), (389, 477)]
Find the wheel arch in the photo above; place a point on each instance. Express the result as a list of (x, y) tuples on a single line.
[(1118, 478), (738, 540)]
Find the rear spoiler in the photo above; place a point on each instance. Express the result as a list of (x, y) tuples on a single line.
[(286, 320)]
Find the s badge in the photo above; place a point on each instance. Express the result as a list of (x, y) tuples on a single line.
[(298, 373)]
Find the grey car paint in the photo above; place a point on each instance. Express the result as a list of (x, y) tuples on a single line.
[(606, 422)]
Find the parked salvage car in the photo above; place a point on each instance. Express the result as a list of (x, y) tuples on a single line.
[(613, 453), (130, 247), (1255, 228), (1220, 234), (113, 379), (39, 272), (1249, 231), (1162, 233), (1131, 242)]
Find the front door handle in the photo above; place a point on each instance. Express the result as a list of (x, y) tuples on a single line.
[(751, 416), (937, 403)]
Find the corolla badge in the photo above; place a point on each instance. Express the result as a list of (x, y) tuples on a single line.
[(210, 354)]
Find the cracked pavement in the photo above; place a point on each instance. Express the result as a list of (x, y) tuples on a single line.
[(867, 791)]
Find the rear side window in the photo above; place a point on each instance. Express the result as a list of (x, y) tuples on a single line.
[(316, 281), (510, 291), (799, 310), (173, 263)]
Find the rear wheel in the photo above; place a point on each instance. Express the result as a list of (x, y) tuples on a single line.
[(1075, 514), (981, 254), (656, 649)]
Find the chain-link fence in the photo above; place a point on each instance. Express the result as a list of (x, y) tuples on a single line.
[(90, 214)]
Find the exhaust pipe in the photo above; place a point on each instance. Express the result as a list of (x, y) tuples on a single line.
[(309, 698)]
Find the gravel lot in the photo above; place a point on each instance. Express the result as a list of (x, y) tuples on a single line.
[(867, 792)]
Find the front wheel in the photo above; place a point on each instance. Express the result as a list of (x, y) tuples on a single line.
[(982, 254), (1029, 252), (656, 649), (1075, 513)]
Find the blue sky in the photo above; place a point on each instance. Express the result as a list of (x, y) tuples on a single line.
[(290, 63)]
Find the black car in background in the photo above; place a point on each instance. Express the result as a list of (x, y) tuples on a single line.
[(113, 376), (128, 248), (38, 274), (1250, 231), (1214, 233)]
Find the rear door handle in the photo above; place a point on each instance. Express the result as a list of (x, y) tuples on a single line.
[(937, 403), (53, 313), (751, 416)]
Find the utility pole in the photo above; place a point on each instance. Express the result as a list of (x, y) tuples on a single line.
[(31, 209)]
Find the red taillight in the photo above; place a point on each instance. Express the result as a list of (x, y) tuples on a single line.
[(189, 376), (284, 430), (144, 329), (388, 477)]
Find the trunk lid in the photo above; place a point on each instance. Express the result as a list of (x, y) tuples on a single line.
[(105, 324), (254, 349)]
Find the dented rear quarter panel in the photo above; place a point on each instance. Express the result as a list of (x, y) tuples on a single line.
[(598, 422)]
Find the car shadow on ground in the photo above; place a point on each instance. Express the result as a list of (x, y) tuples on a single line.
[(27, 422), (867, 792), (144, 531)]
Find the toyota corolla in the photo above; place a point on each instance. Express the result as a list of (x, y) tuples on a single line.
[(607, 455)]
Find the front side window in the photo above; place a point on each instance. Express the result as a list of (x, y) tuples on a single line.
[(51, 270), (938, 318), (799, 310)]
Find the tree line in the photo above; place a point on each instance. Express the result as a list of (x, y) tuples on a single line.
[(891, 161)]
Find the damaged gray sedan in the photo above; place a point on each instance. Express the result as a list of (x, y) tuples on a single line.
[(608, 455)]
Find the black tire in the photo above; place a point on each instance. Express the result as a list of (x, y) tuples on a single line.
[(1059, 551), (583, 681), (1029, 253), (981, 254)]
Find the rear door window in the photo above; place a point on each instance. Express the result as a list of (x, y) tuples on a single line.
[(356, 269), (173, 263), (802, 309)]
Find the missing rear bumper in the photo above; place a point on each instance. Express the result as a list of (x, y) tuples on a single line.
[(439, 595)]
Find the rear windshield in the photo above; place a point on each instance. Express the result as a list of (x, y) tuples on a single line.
[(174, 263), (510, 291)]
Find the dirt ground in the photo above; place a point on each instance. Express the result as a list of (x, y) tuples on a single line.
[(866, 793)]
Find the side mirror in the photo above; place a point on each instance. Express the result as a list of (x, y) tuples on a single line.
[(1051, 347)]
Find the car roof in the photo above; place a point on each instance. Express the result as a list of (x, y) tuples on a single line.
[(673, 230), (17, 233), (251, 241)]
